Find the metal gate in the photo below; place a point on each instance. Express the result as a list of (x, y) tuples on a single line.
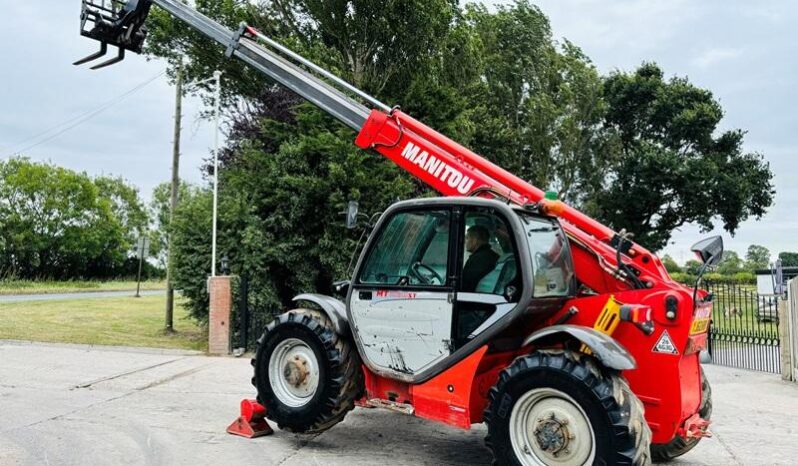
[(745, 328), (250, 316)]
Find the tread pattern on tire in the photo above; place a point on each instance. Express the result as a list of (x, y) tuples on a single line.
[(677, 447), (345, 379), (624, 409)]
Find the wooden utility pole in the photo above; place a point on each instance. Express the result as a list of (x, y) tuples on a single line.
[(170, 291)]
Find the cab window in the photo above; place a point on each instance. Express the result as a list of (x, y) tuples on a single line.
[(412, 249), (552, 263), (489, 256)]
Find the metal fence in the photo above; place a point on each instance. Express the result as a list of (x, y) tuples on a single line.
[(745, 328)]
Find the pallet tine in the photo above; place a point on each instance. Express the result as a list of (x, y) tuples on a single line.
[(113, 61), (94, 56)]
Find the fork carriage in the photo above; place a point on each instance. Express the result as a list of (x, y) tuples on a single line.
[(114, 22)]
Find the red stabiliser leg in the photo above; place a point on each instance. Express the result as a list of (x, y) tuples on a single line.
[(252, 422)]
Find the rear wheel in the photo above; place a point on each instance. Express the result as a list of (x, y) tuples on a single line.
[(307, 376), (662, 452), (561, 408)]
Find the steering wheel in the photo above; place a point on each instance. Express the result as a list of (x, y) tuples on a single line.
[(427, 278)]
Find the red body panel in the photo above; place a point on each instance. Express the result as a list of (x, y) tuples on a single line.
[(446, 398), (668, 384)]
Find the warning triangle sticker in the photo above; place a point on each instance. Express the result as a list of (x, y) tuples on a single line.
[(665, 344)]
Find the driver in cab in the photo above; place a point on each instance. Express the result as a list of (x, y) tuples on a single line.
[(482, 258)]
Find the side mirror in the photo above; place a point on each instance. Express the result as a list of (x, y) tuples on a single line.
[(709, 250), (342, 287), (351, 215)]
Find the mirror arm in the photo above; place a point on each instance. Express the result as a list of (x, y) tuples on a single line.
[(701, 271)]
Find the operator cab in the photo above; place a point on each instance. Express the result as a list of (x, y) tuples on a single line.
[(443, 275)]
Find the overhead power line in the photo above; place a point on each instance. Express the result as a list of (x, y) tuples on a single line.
[(61, 128)]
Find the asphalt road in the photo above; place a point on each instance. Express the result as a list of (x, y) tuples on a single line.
[(77, 405), (16, 298)]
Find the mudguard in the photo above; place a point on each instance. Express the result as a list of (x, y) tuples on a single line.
[(335, 310), (604, 347)]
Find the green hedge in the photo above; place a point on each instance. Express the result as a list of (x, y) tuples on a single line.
[(741, 278)]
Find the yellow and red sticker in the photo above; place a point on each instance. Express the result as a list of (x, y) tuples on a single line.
[(701, 319)]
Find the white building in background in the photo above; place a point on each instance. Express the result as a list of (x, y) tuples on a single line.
[(768, 280)]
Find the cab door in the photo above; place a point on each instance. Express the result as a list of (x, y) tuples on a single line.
[(401, 300), (490, 283)]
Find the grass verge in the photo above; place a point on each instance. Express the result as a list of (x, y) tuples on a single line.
[(8, 287), (101, 321)]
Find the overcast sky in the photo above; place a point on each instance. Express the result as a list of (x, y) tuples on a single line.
[(745, 52), (40, 89)]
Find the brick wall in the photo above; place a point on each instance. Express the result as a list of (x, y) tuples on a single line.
[(221, 294)]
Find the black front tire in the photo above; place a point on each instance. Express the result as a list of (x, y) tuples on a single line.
[(622, 436), (340, 379), (662, 452)]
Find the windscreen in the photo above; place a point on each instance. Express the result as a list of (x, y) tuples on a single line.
[(412, 249)]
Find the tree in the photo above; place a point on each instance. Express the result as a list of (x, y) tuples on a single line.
[(670, 265), (58, 223), (730, 264), (757, 257), (126, 206), (282, 224), (538, 104), (692, 267), (191, 243), (789, 259), (159, 208), (674, 165)]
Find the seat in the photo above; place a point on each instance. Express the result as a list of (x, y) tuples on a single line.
[(497, 279)]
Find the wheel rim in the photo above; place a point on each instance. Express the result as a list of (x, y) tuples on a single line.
[(293, 372), (547, 427)]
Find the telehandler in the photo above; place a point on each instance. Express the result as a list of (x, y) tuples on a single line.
[(496, 303)]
